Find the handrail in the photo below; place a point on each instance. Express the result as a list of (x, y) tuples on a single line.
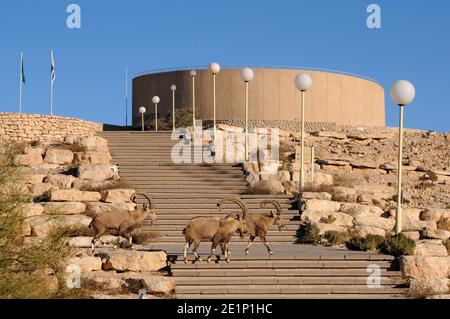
[(235, 66)]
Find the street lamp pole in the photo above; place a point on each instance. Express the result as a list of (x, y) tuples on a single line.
[(214, 68), (142, 110), (402, 93), (155, 101), (173, 88), (303, 83), (247, 75), (193, 74)]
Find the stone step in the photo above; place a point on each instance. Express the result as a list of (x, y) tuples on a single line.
[(336, 296), (181, 239)]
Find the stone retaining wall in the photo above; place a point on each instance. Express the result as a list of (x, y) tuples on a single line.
[(29, 127), (284, 125)]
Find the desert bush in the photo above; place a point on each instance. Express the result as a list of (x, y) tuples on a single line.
[(334, 238), (308, 234), (424, 185), (330, 219), (369, 243), (25, 267), (398, 245), (443, 223)]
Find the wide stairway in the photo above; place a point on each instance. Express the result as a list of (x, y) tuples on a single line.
[(183, 191)]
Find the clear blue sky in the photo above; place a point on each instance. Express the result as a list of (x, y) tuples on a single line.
[(412, 44)]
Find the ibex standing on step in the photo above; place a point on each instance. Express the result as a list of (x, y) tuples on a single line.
[(217, 231), (123, 221)]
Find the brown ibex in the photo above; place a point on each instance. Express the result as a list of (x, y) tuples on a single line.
[(217, 231), (122, 221)]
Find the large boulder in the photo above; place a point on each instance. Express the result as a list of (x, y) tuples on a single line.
[(72, 195), (37, 190), (60, 180), (354, 209), (363, 231), (433, 214), (94, 208), (118, 195), (93, 143), (316, 195), (322, 179), (330, 134), (95, 172), (417, 225), (30, 210), (320, 205), (42, 226), (323, 228), (340, 219), (344, 194), (421, 288), (153, 284), (109, 241), (139, 261), (378, 222), (73, 221), (58, 156), (430, 248), (30, 159), (34, 179), (431, 233), (85, 263), (271, 187), (425, 267), (68, 208), (91, 157)]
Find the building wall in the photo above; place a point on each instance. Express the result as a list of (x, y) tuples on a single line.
[(334, 98), (30, 127)]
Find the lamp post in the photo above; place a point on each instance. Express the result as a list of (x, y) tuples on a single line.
[(214, 68), (142, 110), (402, 93), (193, 74), (303, 82), (155, 101), (247, 75), (173, 88)]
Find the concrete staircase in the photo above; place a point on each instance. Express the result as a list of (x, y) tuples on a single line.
[(183, 191)]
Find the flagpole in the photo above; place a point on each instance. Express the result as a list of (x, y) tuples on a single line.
[(126, 95), (51, 82), (21, 81)]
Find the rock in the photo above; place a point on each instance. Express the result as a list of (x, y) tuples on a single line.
[(363, 231), (421, 288), (60, 180), (430, 248), (332, 162), (344, 194), (85, 241), (57, 156), (93, 143), (139, 261), (354, 209), (376, 190), (425, 267), (378, 222), (95, 172), (266, 187), (407, 213), (323, 179), (414, 235), (323, 228), (85, 263), (416, 225), (291, 188), (34, 149), (37, 190), (229, 128), (316, 195), (35, 179), (30, 210), (363, 164), (94, 208), (73, 221), (91, 157), (45, 168), (320, 205), (283, 176), (117, 195), (315, 217), (330, 134), (430, 233), (70, 139), (30, 159), (154, 284), (431, 214), (100, 280), (68, 208), (72, 195), (443, 296), (42, 226)]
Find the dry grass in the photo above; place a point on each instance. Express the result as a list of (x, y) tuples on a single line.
[(344, 180), (330, 219)]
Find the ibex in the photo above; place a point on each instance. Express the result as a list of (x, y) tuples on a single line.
[(258, 224), (213, 229), (123, 221)]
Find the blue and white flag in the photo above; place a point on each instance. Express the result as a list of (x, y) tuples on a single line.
[(52, 67)]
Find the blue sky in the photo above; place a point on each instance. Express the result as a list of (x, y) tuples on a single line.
[(413, 44)]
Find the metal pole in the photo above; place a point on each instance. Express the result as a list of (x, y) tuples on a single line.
[(193, 104), (302, 156), (51, 98), (156, 117), (142, 121), (246, 121), (173, 110), (126, 95), (21, 81), (214, 104), (312, 165), (398, 217)]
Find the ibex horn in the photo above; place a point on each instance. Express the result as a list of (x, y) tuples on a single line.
[(150, 202), (236, 201), (274, 203)]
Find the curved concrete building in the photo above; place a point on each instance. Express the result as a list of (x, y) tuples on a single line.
[(335, 97)]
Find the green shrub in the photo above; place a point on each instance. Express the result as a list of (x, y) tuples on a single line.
[(370, 243), (334, 238), (330, 219), (309, 234), (398, 245)]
